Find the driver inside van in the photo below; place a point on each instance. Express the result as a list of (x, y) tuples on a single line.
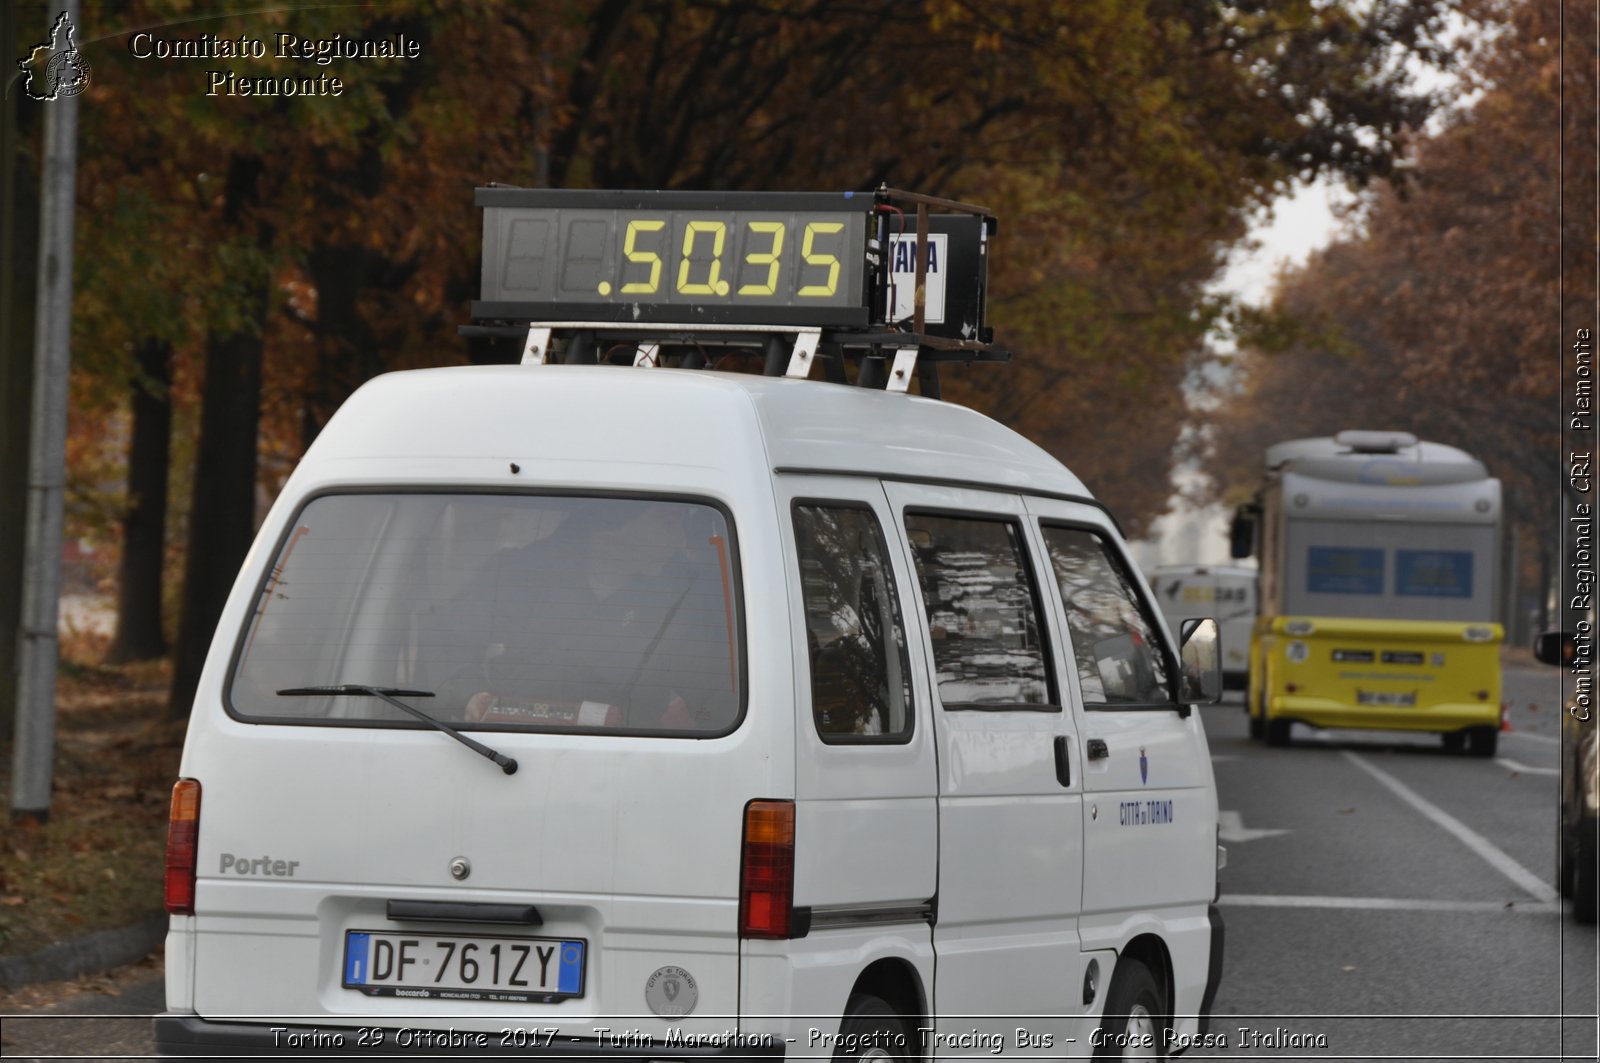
[(616, 619)]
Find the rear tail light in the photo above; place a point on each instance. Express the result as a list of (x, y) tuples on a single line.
[(183, 840), (766, 875)]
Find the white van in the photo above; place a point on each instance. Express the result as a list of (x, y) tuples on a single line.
[(659, 713), (1224, 592)]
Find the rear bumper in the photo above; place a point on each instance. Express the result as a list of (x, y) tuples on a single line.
[(191, 1035), (1328, 712)]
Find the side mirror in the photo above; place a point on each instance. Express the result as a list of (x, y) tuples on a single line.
[(1556, 647), (1242, 532), (1201, 663)]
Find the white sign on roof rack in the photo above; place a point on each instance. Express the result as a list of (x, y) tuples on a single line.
[(903, 276)]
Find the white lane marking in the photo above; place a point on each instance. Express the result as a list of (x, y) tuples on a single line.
[(1517, 766), (1390, 904), (1395, 737), (1496, 858), (1231, 828), (1545, 739)]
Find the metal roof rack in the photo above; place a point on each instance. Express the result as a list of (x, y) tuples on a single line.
[(576, 277)]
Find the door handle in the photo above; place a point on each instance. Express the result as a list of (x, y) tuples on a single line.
[(1063, 765), (1098, 749)]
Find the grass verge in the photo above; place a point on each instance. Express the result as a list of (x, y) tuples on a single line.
[(97, 863)]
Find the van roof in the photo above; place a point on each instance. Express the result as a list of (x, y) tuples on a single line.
[(611, 414)]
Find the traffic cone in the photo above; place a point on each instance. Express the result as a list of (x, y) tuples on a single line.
[(1505, 716)]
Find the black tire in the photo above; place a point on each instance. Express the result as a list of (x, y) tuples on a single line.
[(1584, 898), (1482, 741), (1258, 725), (1566, 864), (1454, 741), (1278, 732), (871, 1030), (1134, 1024)]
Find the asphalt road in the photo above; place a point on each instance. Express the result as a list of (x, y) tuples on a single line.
[(110, 1025), (1398, 900), (1384, 900)]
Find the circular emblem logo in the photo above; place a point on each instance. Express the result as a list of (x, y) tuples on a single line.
[(671, 992), (67, 74)]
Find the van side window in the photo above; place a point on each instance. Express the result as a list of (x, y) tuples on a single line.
[(982, 611), (1117, 648), (860, 675)]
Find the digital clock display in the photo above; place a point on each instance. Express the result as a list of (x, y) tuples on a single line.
[(687, 257)]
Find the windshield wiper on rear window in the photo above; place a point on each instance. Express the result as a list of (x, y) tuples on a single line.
[(507, 764)]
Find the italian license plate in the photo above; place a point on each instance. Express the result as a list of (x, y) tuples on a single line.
[(1404, 699), (460, 967)]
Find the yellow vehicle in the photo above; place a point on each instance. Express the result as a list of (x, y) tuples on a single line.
[(1380, 559)]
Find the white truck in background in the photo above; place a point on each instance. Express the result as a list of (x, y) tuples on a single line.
[(1226, 592)]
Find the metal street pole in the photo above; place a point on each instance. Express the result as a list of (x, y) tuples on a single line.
[(34, 747), (19, 243)]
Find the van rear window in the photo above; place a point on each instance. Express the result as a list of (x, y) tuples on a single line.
[(499, 612)]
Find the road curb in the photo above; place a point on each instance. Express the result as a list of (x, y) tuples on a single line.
[(89, 954)]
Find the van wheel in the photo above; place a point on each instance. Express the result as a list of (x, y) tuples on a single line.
[(1585, 901), (1481, 741), (1258, 725), (1278, 732), (872, 1030), (1134, 1025)]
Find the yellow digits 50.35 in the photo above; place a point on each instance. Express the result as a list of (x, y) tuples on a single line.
[(820, 260), (768, 258), (714, 284), (628, 248)]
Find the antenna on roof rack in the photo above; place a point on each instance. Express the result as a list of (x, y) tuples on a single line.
[(895, 280)]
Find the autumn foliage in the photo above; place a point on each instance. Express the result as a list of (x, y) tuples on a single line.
[(302, 245), (1446, 312)]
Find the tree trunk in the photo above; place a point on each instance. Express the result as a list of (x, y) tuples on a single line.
[(139, 636), (1546, 583), (222, 515), (345, 350)]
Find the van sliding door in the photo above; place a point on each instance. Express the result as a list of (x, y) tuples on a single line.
[(1010, 799), (866, 848), (1150, 815)]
